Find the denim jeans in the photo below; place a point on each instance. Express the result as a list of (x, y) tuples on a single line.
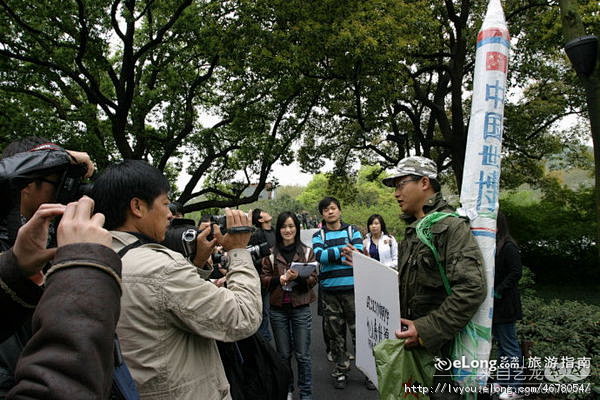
[(508, 347), (292, 328), (264, 330)]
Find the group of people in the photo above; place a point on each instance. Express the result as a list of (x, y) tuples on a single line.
[(112, 313)]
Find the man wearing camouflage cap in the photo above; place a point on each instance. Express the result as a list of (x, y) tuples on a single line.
[(430, 317)]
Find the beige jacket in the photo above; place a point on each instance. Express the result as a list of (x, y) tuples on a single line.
[(171, 317)]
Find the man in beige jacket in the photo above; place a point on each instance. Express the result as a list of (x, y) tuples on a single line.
[(170, 315)]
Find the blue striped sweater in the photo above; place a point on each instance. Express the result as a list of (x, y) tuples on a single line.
[(333, 274)]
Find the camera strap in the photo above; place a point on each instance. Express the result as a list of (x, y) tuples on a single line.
[(123, 387), (121, 253), (142, 239)]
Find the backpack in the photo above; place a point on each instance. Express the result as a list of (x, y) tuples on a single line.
[(349, 230), (123, 386)]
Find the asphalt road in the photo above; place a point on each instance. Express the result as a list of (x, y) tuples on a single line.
[(322, 381), (321, 369)]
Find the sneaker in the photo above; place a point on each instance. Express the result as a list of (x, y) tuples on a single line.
[(350, 356), (290, 396), (329, 357), (369, 385), (510, 396), (340, 382)]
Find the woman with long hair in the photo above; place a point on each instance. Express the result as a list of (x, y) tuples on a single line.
[(290, 296), (379, 244), (507, 300)]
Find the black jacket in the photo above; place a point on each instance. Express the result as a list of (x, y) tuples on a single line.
[(507, 300), (70, 355)]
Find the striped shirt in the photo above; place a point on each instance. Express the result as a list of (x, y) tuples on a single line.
[(333, 274)]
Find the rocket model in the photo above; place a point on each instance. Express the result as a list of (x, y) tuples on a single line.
[(480, 185)]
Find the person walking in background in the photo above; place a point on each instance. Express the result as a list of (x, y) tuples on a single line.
[(507, 301), (379, 244), (290, 296)]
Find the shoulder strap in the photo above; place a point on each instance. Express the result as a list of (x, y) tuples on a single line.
[(272, 259), (306, 253), (350, 232), (121, 253), (426, 236), (322, 234)]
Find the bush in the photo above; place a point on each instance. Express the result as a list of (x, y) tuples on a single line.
[(563, 328), (357, 214), (556, 235)]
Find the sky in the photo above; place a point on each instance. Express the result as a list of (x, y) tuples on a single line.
[(289, 175)]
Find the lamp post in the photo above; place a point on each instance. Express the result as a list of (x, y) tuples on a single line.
[(583, 53)]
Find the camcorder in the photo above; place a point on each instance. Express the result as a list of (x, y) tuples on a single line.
[(19, 170), (181, 237)]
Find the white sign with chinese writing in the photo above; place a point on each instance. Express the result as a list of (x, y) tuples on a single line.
[(377, 303)]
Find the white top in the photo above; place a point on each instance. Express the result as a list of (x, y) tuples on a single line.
[(387, 247)]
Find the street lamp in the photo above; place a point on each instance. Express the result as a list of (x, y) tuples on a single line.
[(583, 52)]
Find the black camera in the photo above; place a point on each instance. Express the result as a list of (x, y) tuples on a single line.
[(19, 170), (71, 187), (259, 251), (220, 259), (181, 237)]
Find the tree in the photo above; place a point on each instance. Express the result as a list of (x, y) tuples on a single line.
[(573, 27), (131, 79), (402, 72)]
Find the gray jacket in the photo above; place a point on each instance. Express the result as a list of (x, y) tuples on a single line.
[(171, 317)]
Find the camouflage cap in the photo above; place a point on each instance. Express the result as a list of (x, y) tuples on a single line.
[(415, 165)]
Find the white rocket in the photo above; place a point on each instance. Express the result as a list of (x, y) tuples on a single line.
[(481, 179)]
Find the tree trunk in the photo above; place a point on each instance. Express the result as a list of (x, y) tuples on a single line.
[(573, 28)]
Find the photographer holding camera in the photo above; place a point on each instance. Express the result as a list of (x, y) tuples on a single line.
[(77, 310), (33, 171), (170, 315)]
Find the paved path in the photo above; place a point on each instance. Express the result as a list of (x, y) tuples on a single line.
[(323, 382)]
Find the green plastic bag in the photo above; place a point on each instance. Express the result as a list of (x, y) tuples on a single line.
[(397, 366)]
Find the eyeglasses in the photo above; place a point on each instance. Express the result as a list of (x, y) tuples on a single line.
[(400, 185)]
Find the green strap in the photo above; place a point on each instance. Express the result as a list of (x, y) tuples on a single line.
[(424, 234)]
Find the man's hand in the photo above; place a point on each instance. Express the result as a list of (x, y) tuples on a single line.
[(347, 253), (78, 225), (411, 335), (30, 246), (204, 248), (234, 240), (83, 158)]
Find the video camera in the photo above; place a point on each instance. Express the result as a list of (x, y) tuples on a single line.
[(181, 237), (19, 170)]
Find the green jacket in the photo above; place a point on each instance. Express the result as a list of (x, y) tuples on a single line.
[(423, 299)]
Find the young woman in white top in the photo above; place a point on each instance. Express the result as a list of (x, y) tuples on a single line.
[(380, 245)]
